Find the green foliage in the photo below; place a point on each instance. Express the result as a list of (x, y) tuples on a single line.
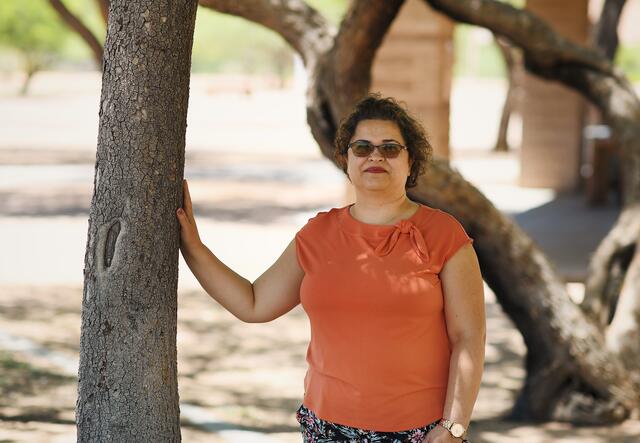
[(476, 53), (628, 59), (333, 10), (31, 28), (76, 51), (225, 43)]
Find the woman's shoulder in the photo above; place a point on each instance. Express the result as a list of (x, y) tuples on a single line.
[(321, 219), (437, 218), (444, 233)]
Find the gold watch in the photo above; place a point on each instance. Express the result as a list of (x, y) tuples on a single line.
[(456, 429)]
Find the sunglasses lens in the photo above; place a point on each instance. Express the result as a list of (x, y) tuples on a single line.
[(390, 150), (362, 148)]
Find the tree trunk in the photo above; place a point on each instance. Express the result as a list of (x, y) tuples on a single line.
[(513, 65), (605, 32), (127, 379), (31, 66)]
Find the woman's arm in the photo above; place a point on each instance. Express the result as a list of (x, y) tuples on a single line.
[(273, 294), (466, 327)]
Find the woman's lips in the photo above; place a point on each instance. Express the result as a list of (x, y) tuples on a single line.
[(375, 170)]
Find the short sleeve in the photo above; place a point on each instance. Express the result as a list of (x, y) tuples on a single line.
[(300, 253), (306, 246), (454, 237)]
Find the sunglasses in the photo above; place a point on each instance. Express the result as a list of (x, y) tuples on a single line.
[(364, 148)]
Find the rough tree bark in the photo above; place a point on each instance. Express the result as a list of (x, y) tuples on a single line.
[(127, 379)]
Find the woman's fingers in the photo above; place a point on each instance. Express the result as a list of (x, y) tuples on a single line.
[(186, 202), (188, 227), (182, 216), (186, 199)]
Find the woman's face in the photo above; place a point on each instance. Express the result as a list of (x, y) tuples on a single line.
[(396, 170)]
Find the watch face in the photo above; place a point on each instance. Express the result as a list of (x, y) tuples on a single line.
[(457, 430)]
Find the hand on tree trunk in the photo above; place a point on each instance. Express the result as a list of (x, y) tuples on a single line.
[(189, 237)]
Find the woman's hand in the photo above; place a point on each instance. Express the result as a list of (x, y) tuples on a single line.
[(189, 237), (440, 435)]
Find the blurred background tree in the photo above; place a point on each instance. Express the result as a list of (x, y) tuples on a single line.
[(31, 35)]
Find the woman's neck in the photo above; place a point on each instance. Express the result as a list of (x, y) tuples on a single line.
[(383, 212)]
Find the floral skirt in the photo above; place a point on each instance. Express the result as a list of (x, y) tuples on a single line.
[(317, 430)]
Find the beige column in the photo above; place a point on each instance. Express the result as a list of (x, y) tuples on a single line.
[(552, 114)]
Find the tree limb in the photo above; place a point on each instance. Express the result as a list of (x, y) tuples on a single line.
[(524, 29), (83, 31), (344, 75), (300, 25), (361, 33), (605, 33), (103, 5)]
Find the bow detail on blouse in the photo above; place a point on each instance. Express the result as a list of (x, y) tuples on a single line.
[(404, 227)]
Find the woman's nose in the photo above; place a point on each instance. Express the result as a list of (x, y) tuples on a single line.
[(375, 154)]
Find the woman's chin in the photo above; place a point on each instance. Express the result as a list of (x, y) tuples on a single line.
[(372, 186)]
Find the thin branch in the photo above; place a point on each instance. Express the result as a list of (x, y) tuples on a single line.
[(302, 27), (524, 29), (344, 75), (75, 24), (605, 34), (103, 6), (361, 33)]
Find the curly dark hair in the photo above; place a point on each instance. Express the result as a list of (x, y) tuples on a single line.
[(374, 106)]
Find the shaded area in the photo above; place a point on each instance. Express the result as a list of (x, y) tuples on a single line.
[(248, 376), (568, 230)]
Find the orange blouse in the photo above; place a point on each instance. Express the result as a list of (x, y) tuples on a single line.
[(379, 352)]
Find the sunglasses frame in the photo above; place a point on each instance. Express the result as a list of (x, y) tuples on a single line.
[(373, 147)]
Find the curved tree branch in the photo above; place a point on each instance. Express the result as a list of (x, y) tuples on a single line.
[(605, 33), (361, 33), (103, 5), (300, 25), (524, 29), (344, 75), (80, 28), (608, 265)]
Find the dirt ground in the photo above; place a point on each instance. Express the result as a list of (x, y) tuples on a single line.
[(247, 375), (243, 380)]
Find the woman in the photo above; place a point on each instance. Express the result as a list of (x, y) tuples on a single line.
[(392, 289)]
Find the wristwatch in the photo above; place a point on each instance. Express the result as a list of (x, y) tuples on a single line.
[(456, 429)]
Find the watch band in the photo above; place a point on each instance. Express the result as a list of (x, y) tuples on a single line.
[(448, 425)]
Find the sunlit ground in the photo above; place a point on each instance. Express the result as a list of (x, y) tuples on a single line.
[(256, 177)]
